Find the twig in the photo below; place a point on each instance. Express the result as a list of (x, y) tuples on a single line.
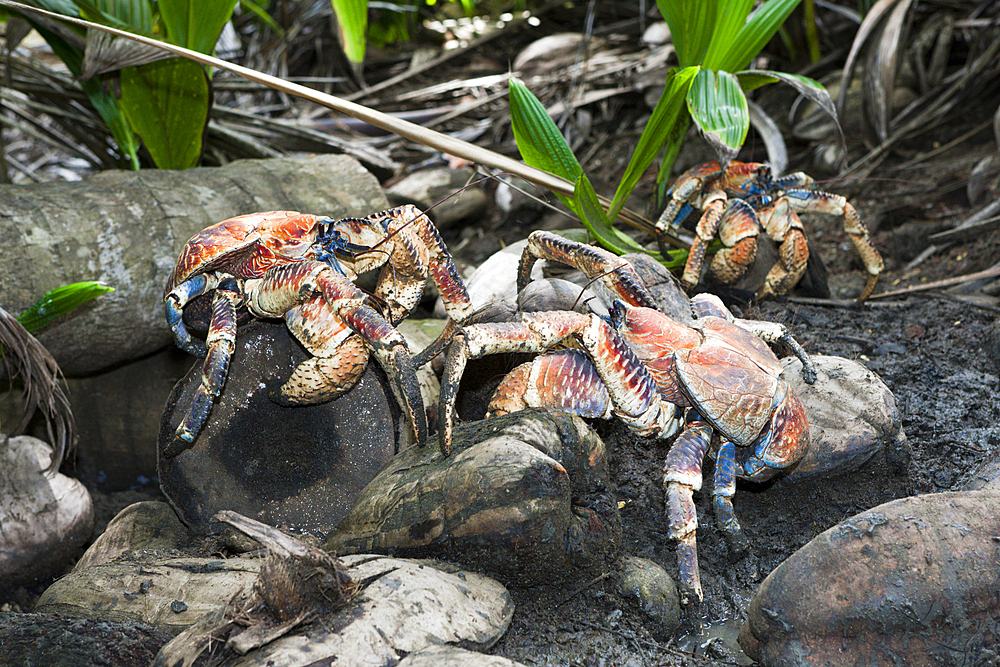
[(947, 282)]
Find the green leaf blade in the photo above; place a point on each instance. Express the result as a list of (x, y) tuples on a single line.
[(57, 302), (755, 34), (666, 127), (691, 25), (719, 109), (352, 27), (167, 104), (595, 219), (195, 24), (538, 138), (731, 17), (811, 89)]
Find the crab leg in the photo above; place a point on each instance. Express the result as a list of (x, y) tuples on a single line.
[(406, 244), (736, 224), (564, 380), (824, 202), (682, 477), (221, 342), (723, 490), (340, 356), (617, 274), (174, 304), (632, 390), (288, 286), (784, 227)]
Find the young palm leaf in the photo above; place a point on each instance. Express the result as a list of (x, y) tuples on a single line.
[(543, 146)]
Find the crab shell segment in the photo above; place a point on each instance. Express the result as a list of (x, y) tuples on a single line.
[(247, 245)]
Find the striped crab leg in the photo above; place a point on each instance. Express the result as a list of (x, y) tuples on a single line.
[(631, 390)]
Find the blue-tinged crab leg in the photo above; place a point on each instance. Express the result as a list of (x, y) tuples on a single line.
[(174, 305), (723, 490), (221, 342), (633, 392), (617, 274), (682, 477)]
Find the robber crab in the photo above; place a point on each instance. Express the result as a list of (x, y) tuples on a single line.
[(739, 202), (283, 264), (714, 376)]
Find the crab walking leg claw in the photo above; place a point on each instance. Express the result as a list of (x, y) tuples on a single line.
[(632, 394), (682, 478), (174, 304), (825, 202)]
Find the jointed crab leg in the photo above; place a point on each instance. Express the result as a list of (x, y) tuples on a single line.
[(290, 285), (407, 244), (682, 477), (825, 202), (633, 393), (617, 274), (221, 341), (174, 304)]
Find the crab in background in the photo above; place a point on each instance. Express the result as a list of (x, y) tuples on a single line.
[(737, 203), (714, 381), (299, 267)]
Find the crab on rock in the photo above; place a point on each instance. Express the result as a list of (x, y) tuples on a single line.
[(714, 376), (283, 264), (741, 200)]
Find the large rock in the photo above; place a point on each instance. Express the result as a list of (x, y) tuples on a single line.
[(126, 229), (915, 581), (46, 519), (298, 467), (400, 606), (853, 419), (525, 497)]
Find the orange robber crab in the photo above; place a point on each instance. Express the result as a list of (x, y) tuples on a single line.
[(283, 264), (743, 199), (714, 376)]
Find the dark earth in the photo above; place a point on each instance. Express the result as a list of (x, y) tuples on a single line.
[(937, 351)]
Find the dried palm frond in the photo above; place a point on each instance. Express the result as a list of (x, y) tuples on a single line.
[(23, 356), (944, 53)]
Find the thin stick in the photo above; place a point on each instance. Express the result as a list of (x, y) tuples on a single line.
[(991, 272)]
